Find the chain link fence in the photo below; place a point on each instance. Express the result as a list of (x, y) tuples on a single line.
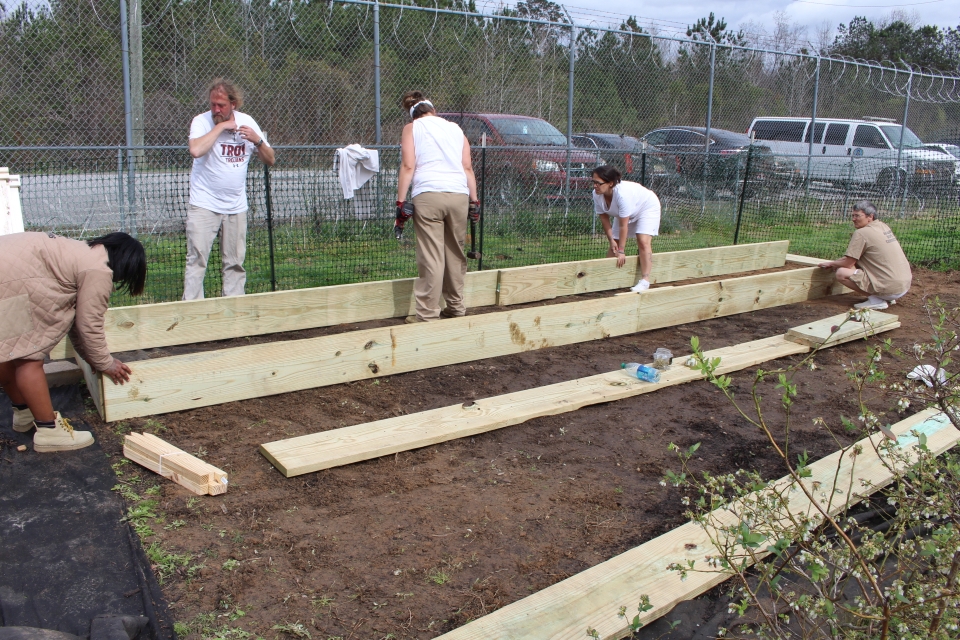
[(102, 149)]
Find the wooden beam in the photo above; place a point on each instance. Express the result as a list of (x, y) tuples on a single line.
[(187, 322), (316, 451), (591, 598), (94, 382), (213, 377), (543, 282), (839, 328), (810, 262)]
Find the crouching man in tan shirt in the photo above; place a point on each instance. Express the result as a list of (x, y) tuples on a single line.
[(873, 265)]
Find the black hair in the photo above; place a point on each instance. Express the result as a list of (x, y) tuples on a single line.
[(608, 174), (127, 259), (411, 98)]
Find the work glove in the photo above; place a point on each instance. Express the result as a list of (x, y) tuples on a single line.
[(404, 213), (474, 210)]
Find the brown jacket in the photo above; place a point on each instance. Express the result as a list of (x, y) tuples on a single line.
[(50, 286)]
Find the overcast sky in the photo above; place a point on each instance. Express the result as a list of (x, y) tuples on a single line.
[(674, 16)]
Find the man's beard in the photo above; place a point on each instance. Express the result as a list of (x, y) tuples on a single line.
[(219, 117)]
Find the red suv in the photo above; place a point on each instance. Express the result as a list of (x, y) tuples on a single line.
[(523, 171)]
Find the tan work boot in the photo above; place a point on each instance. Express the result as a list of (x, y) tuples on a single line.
[(22, 420), (61, 437)]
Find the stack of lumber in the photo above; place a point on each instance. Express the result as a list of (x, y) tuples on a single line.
[(186, 470)]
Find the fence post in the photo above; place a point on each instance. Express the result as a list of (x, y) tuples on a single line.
[(846, 187), (813, 125), (269, 202), (376, 70), (706, 142), (573, 55), (136, 72), (643, 163), (136, 106), (743, 190), (903, 131), (120, 188), (127, 108), (483, 192)]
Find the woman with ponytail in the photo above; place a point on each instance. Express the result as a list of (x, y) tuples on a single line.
[(435, 166)]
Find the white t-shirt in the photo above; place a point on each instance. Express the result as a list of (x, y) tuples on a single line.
[(438, 145), (630, 200), (218, 181)]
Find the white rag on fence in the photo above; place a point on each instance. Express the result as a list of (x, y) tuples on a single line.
[(357, 165)]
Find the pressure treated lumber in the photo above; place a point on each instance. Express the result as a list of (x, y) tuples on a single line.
[(94, 382), (543, 282), (336, 447), (839, 328), (316, 451), (187, 322), (591, 598), (810, 262), (214, 377), (167, 460)]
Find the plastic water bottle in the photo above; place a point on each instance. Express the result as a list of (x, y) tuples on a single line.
[(642, 371)]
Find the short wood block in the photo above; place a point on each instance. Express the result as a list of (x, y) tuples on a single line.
[(841, 328)]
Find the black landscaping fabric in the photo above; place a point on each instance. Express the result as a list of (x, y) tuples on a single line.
[(65, 554)]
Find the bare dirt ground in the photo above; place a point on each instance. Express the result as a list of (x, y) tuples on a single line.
[(416, 544)]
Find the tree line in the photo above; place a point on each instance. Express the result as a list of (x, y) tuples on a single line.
[(307, 69)]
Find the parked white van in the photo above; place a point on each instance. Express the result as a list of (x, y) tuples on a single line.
[(856, 151)]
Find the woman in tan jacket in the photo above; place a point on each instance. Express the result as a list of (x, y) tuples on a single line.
[(51, 286)]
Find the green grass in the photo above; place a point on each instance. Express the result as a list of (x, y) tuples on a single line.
[(328, 253)]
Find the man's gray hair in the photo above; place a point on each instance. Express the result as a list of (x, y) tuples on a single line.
[(866, 207)]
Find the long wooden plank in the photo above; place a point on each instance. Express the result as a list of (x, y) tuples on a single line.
[(336, 447), (591, 598), (186, 322), (316, 451), (542, 282), (213, 377), (839, 328), (94, 382), (173, 323)]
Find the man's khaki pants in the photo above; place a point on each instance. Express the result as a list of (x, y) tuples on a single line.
[(203, 226), (440, 222)]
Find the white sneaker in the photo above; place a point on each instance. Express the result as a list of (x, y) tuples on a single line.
[(22, 420), (61, 437), (873, 302), (643, 285)]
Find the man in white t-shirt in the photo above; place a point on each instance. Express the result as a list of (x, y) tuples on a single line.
[(222, 141)]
